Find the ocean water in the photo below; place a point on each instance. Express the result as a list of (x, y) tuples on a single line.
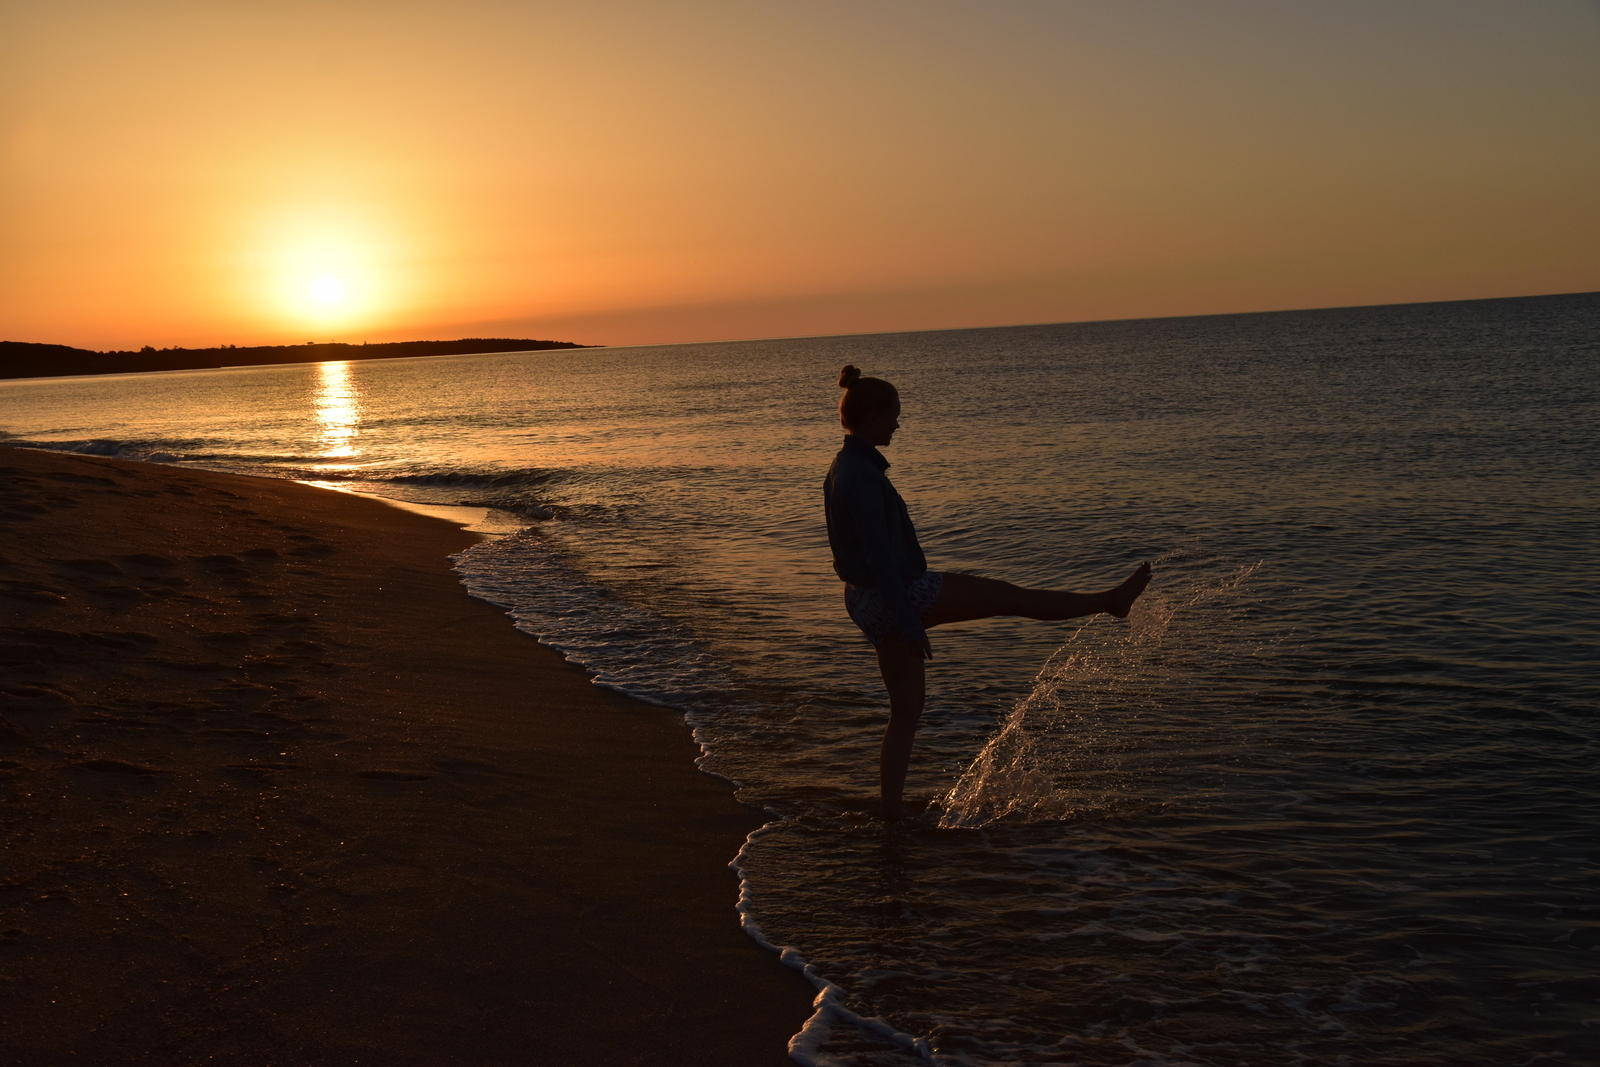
[(1329, 796)]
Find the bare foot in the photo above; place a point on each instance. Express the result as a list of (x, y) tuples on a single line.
[(912, 811), (894, 813), (1122, 597)]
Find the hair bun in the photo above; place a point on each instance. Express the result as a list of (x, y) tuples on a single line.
[(848, 377)]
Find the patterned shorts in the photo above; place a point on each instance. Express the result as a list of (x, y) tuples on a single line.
[(868, 610)]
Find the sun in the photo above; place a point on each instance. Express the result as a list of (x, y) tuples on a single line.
[(328, 291), (327, 271), (328, 282)]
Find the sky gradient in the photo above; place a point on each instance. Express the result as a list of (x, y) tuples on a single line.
[(255, 173)]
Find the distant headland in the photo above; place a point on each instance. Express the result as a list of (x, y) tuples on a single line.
[(23, 359)]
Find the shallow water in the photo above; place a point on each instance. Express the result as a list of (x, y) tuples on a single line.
[(1328, 796)]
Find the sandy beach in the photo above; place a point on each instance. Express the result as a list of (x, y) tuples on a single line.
[(275, 790)]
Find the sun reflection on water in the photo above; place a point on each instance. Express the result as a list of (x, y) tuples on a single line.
[(338, 410)]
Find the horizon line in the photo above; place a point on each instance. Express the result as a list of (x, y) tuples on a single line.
[(867, 333)]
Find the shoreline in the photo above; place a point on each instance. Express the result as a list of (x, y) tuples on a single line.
[(275, 788)]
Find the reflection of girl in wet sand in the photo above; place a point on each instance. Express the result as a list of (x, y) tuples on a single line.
[(889, 590)]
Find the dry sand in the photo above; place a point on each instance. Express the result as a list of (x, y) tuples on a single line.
[(275, 790)]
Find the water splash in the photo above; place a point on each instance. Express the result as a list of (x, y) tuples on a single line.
[(1059, 752)]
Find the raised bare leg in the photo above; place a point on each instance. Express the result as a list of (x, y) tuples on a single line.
[(903, 674), (966, 596)]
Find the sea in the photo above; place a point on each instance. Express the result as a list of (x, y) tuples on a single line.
[(1330, 795)]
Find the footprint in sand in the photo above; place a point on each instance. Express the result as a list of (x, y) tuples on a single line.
[(32, 592), (473, 768), (115, 766), (201, 666), (27, 654), (146, 559), (224, 566), (121, 592), (241, 694), (33, 698), (119, 638), (92, 566), (260, 771), (81, 479), (224, 637)]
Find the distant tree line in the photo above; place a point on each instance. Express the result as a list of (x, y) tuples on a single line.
[(24, 359)]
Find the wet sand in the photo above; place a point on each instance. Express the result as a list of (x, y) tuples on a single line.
[(275, 790)]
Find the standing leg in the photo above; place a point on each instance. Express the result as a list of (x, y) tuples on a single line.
[(902, 667)]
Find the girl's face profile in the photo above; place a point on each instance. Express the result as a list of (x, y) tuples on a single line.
[(879, 427)]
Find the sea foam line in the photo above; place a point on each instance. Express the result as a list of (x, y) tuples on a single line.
[(805, 1046)]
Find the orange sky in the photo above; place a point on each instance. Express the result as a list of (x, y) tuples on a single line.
[(205, 173)]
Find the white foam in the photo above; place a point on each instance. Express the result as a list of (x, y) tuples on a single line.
[(829, 1007)]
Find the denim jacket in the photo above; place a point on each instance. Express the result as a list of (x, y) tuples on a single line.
[(870, 532)]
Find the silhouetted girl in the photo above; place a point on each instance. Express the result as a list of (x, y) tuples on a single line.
[(889, 590)]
